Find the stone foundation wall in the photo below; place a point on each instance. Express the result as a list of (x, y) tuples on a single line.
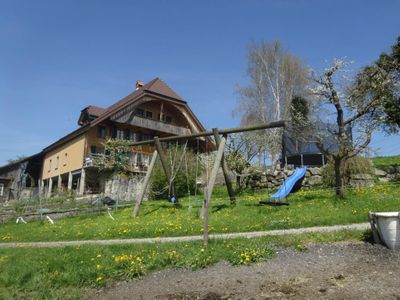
[(272, 180), (392, 173), (313, 177), (123, 188)]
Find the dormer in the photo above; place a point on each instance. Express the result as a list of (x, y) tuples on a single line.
[(89, 113)]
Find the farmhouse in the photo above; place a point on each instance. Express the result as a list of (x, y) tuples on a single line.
[(152, 109)]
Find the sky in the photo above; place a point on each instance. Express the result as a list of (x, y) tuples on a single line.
[(57, 57)]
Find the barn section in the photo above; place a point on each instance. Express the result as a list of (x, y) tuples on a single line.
[(19, 180)]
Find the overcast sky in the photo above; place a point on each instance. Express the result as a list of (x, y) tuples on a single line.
[(57, 57)]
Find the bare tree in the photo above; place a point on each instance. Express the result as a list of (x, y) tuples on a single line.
[(276, 76), (344, 117), (241, 149)]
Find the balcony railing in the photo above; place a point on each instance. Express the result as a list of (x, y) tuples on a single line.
[(132, 166), (158, 126)]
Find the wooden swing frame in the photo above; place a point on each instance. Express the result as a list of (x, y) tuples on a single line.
[(219, 161)]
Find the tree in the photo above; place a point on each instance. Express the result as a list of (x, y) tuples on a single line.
[(381, 81), (116, 156), (299, 118), (185, 168), (241, 149), (276, 76), (356, 113)]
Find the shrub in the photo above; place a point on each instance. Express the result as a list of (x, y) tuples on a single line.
[(183, 179), (353, 166)]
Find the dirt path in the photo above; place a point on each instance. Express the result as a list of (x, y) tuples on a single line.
[(328, 271), (254, 234)]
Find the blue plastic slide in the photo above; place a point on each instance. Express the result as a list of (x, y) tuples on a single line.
[(289, 183)]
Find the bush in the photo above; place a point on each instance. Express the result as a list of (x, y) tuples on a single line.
[(353, 166), (159, 185)]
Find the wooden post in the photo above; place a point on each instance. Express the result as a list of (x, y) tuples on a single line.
[(50, 187), (69, 181), (40, 185), (145, 183), (59, 184), (82, 182), (228, 182), (210, 187), (164, 164), (302, 161)]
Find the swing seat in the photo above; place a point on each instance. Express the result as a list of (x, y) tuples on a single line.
[(172, 199), (274, 203)]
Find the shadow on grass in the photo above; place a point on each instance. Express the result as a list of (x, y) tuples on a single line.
[(219, 207), (151, 211)]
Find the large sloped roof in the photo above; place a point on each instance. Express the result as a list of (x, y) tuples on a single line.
[(95, 110), (156, 87)]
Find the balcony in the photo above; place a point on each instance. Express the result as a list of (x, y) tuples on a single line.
[(158, 126), (132, 165)]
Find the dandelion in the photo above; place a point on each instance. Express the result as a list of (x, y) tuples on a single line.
[(99, 278)]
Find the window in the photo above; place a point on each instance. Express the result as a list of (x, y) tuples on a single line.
[(127, 134), (93, 149), (57, 162), (65, 159), (164, 118), (1, 189), (147, 137), (101, 132), (133, 136), (140, 112), (49, 165), (149, 115), (139, 136), (119, 134)]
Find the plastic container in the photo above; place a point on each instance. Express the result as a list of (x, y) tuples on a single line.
[(387, 226)]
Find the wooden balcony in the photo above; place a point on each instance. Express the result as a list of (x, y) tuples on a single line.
[(158, 126), (132, 166)]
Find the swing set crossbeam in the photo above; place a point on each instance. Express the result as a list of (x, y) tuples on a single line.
[(211, 133)]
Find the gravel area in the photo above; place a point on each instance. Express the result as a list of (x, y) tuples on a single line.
[(324, 271)]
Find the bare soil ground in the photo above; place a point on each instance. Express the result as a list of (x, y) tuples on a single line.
[(324, 271)]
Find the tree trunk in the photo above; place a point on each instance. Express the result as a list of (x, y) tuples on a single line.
[(273, 161), (238, 183), (339, 176)]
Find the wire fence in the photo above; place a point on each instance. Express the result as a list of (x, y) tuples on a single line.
[(59, 207)]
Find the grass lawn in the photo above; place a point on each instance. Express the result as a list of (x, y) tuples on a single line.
[(64, 273), (307, 208), (383, 162)]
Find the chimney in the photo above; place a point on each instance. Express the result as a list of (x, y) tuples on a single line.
[(139, 84)]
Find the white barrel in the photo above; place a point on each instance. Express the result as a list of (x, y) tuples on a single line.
[(388, 226)]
